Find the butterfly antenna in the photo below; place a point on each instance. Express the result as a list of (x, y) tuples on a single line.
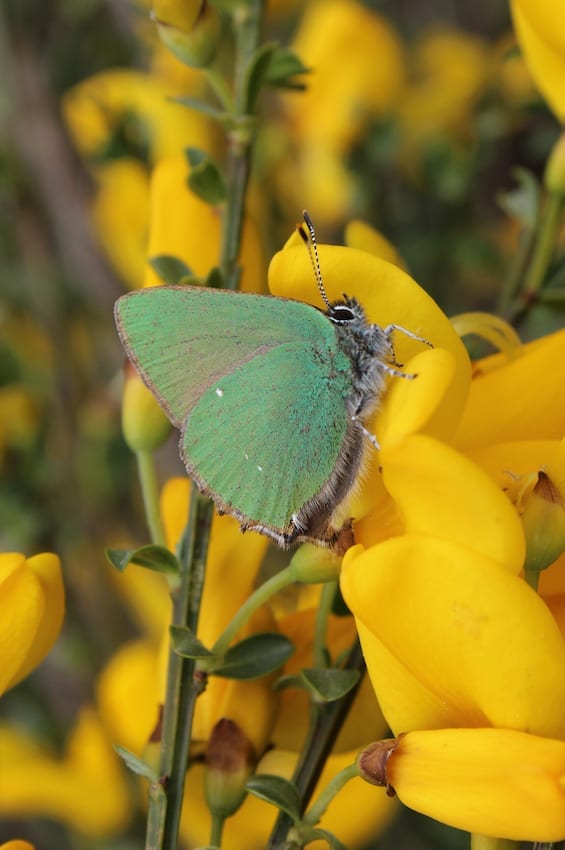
[(309, 238)]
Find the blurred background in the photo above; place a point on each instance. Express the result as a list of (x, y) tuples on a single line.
[(414, 122)]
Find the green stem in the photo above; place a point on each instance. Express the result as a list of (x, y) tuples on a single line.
[(322, 615), (150, 494), (247, 26), (545, 245), (322, 735), (263, 593), (217, 831), (330, 791), (516, 271), (165, 798), (191, 684)]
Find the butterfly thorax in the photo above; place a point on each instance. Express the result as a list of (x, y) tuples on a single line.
[(368, 349)]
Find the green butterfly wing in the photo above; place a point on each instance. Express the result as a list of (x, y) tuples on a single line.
[(257, 385)]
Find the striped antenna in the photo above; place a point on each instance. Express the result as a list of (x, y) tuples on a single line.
[(309, 238)]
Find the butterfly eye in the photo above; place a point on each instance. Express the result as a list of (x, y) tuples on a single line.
[(340, 313)]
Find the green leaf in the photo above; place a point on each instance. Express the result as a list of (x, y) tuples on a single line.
[(169, 269), (329, 837), (329, 685), (202, 106), (256, 74), (152, 557), (205, 178), (283, 67), (135, 764), (522, 202), (277, 791), (289, 682), (255, 656), (186, 643), (214, 279)]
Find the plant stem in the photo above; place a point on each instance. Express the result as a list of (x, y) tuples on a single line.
[(263, 593), (327, 724), (322, 615), (330, 791), (545, 244), (150, 493), (217, 831), (247, 26), (186, 612), (165, 799)]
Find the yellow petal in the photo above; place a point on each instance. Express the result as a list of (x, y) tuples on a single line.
[(495, 782), (542, 39), (86, 789), (440, 492), (16, 844), (47, 569), (342, 94), (480, 644), (131, 670), (430, 403), (516, 399), (365, 238), (23, 606), (121, 216)]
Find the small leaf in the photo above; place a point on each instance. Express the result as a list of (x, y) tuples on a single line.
[(135, 764), (329, 685), (277, 791), (205, 178), (256, 74), (522, 202), (284, 66), (255, 656), (169, 269), (186, 643), (202, 106), (329, 837), (289, 682), (214, 279), (152, 557)]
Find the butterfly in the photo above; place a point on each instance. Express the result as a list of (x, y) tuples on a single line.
[(270, 396)]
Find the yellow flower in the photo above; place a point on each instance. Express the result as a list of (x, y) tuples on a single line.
[(184, 226), (139, 104), (495, 782), (450, 70), (16, 844), (541, 36), (120, 215), (341, 97), (33, 599), (85, 788)]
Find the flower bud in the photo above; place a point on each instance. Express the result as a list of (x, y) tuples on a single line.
[(544, 523), (144, 425), (190, 29), (312, 565), (230, 758), (554, 176)]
